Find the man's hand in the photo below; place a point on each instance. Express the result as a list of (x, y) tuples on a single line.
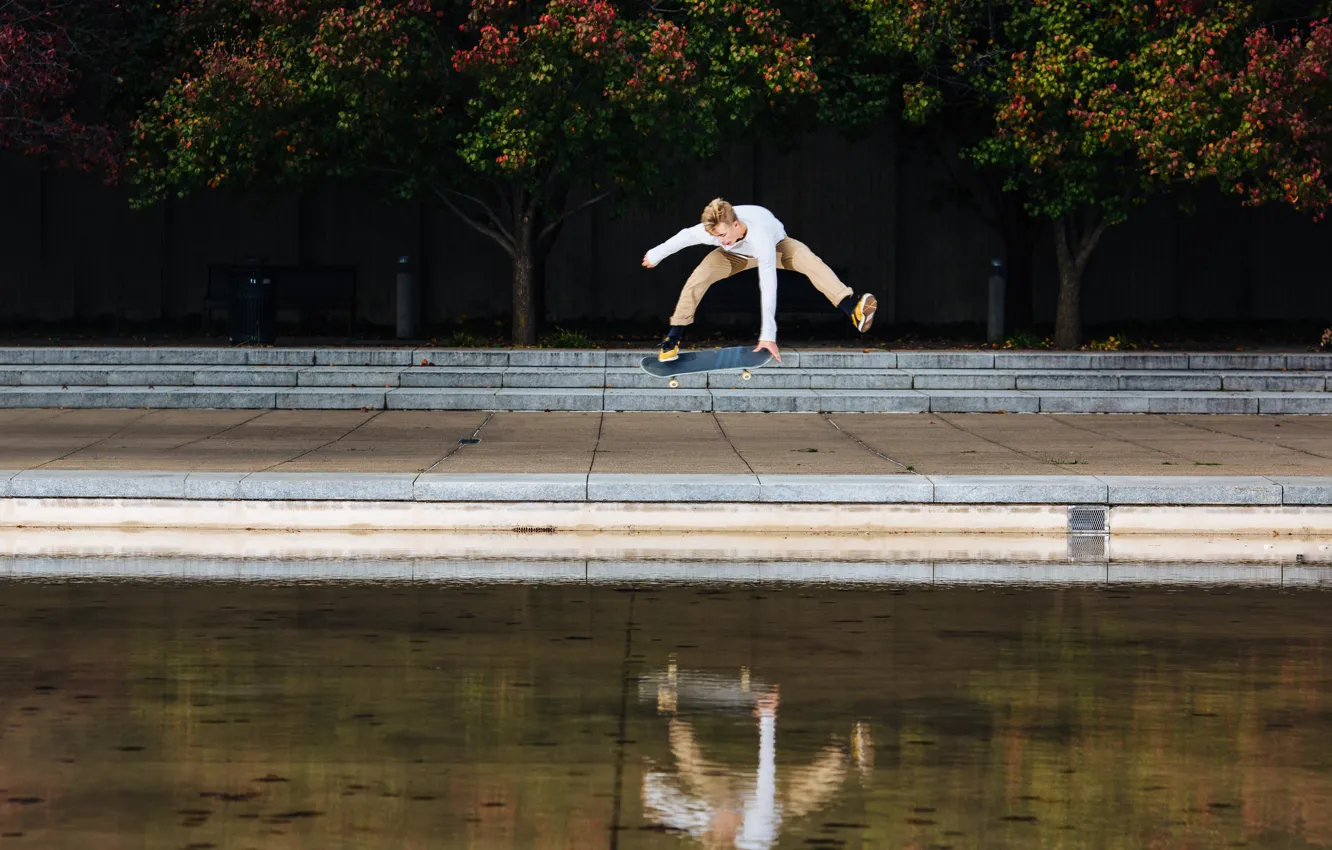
[(770, 347), (647, 264)]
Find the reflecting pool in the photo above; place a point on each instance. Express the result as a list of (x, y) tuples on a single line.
[(168, 714)]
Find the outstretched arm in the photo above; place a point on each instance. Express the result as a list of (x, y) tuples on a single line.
[(696, 235), (767, 269)]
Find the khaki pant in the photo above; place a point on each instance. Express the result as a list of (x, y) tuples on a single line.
[(792, 255)]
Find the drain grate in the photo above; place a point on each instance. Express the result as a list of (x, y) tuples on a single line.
[(1088, 519), (1088, 548)]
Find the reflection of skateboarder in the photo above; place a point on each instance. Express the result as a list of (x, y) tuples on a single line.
[(745, 237), (721, 807)]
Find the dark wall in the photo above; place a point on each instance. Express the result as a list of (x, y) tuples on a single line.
[(73, 249)]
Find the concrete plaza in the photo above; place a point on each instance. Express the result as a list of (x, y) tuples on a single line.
[(303, 441)]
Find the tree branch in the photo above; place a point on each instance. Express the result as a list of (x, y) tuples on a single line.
[(504, 240), (584, 205), (494, 219), (1089, 241)]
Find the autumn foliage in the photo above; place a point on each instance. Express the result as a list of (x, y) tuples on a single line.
[(516, 114), (46, 49)]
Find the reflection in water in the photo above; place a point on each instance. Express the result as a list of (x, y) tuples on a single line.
[(287, 716), (726, 806)]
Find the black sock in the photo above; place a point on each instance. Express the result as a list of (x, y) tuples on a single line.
[(676, 332), (848, 305)]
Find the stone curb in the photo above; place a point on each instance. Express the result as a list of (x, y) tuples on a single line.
[(621, 358), (755, 400), (1111, 490)]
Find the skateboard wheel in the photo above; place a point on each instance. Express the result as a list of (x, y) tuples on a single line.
[(745, 374), (675, 385)]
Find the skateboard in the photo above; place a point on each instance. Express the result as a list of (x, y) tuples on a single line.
[(740, 357)]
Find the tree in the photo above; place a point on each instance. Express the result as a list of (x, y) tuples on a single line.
[(51, 53), (925, 53), (1257, 119), (503, 111), (1062, 85)]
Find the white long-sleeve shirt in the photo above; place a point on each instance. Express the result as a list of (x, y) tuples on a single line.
[(760, 242), (761, 814)]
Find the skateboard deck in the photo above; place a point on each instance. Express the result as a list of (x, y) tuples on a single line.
[(741, 357)]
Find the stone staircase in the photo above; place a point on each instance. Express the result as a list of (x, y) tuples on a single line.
[(594, 380)]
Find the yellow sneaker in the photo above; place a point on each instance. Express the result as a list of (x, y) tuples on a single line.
[(670, 350), (863, 316)]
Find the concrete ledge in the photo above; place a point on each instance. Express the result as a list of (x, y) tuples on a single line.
[(440, 399), (637, 379), (364, 357), (682, 400), (1268, 362), (460, 390), (1018, 489), (627, 359), (1311, 362), (518, 377), (548, 399), (609, 487), (1169, 381), (348, 377), (329, 398), (765, 401), (279, 356), (214, 485), (78, 484), (252, 376), (988, 379), (1191, 490), (848, 360), (546, 357), (873, 401), (1294, 403), (1295, 490), (982, 401), (88, 397), (873, 489), (227, 398), (944, 360), (460, 357), (761, 379), (1092, 402), (463, 487), (452, 376), (1065, 381), (329, 486), (1279, 383), (858, 379), (1187, 402), (968, 573)]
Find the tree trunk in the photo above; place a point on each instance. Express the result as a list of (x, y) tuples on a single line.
[(1068, 307), (1074, 244), (515, 218), (525, 282)]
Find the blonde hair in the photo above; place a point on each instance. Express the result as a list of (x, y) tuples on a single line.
[(717, 212)]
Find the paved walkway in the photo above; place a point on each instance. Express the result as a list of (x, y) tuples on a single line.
[(656, 443)]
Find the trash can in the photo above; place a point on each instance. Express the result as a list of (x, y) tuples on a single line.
[(253, 312)]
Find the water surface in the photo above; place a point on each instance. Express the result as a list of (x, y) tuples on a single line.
[(472, 715)]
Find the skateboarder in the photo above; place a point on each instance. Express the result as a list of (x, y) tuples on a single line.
[(745, 237)]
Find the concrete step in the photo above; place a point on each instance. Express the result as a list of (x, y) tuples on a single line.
[(1021, 361), (632, 377), (1053, 490), (749, 399)]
